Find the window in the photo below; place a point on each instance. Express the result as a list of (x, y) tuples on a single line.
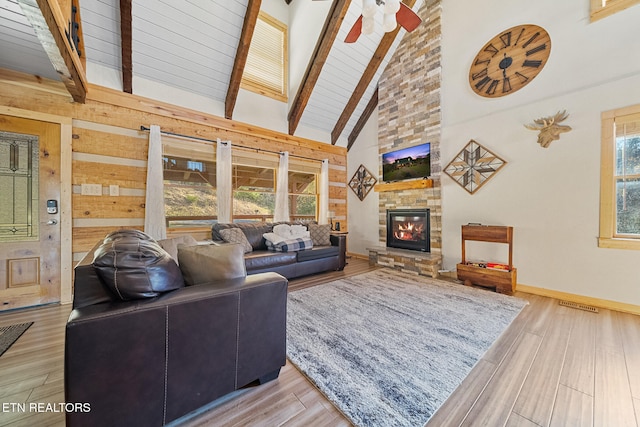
[(303, 195), (266, 69), (254, 193), (189, 184), (620, 179), (603, 8)]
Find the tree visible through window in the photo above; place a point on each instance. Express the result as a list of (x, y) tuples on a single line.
[(620, 179), (627, 178), (191, 199)]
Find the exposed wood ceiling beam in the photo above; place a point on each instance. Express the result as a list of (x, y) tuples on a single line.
[(373, 103), (49, 23), (125, 46), (250, 19), (365, 80), (323, 46)]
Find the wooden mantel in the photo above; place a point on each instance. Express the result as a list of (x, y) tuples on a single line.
[(403, 185)]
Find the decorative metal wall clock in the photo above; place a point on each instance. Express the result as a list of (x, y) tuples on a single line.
[(362, 182), (510, 61), (473, 166)]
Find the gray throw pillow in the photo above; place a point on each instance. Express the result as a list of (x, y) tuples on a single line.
[(171, 245), (207, 263), (320, 234), (236, 235)]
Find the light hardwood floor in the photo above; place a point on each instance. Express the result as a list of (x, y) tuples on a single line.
[(554, 366)]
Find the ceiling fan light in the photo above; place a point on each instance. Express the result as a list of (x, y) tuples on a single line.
[(391, 6), (368, 25), (369, 8), (389, 22)]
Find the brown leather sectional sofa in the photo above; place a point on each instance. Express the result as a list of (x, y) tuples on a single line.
[(290, 264), (151, 360)]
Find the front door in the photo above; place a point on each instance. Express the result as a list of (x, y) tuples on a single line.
[(29, 218)]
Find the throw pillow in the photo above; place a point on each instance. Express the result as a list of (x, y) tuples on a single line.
[(320, 234), (171, 245), (133, 267), (235, 235), (207, 263)]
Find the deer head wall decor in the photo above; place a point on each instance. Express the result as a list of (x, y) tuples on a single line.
[(549, 128)]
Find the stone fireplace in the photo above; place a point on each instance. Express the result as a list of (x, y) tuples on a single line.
[(408, 229), (409, 114)]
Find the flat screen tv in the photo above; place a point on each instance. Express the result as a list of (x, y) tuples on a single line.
[(407, 163)]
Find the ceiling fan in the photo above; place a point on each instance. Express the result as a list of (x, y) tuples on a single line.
[(404, 16)]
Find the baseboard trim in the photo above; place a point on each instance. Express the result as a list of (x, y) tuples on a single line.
[(358, 256), (580, 299)]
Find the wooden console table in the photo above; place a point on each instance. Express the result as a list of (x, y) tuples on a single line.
[(503, 280)]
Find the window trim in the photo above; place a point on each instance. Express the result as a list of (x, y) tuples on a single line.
[(599, 11), (608, 238), (262, 89)]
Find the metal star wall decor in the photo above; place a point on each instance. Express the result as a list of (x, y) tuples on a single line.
[(473, 166), (362, 182)]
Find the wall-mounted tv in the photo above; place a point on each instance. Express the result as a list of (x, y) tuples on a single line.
[(407, 163)]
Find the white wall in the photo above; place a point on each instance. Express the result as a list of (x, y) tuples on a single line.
[(550, 196), (362, 216)]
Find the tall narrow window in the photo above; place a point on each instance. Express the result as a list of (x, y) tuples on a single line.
[(620, 179), (254, 185), (603, 8), (303, 189), (254, 193), (189, 171), (266, 69)]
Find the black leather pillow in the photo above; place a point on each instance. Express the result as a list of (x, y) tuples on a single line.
[(134, 266)]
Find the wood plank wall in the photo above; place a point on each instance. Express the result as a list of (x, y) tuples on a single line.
[(109, 149)]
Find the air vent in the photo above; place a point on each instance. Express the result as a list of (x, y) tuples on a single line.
[(579, 306)]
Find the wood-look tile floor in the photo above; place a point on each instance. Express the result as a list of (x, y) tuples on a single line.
[(554, 366)]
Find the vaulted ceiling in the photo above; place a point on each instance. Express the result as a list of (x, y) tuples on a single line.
[(195, 46)]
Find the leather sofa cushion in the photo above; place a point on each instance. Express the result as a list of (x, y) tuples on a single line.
[(132, 265), (318, 252), (258, 260), (207, 263)]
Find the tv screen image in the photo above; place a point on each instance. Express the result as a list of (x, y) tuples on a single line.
[(407, 163)]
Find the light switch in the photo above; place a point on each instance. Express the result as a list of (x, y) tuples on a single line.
[(91, 190), (114, 190)]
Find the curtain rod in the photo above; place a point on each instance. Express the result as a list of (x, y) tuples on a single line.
[(144, 128)]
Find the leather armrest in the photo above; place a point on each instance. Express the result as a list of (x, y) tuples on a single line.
[(340, 240)]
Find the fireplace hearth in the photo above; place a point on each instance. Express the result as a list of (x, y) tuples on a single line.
[(408, 229)]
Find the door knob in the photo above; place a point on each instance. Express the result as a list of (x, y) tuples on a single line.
[(52, 222)]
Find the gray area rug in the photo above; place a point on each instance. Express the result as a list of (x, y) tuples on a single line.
[(388, 348), (10, 334)]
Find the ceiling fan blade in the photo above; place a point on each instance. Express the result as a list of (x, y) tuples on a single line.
[(407, 18), (355, 31)]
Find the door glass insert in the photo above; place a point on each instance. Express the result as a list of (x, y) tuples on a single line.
[(18, 187)]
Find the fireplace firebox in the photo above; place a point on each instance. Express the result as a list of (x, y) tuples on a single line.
[(408, 229)]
